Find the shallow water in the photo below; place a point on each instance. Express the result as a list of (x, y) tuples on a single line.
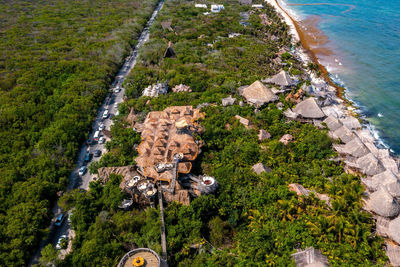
[(359, 43)]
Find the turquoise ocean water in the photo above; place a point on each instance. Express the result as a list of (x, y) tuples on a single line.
[(364, 36)]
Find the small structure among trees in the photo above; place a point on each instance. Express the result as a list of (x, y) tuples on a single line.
[(310, 257), (258, 94)]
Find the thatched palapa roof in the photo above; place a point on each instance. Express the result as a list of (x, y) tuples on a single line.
[(332, 123), (382, 203), (309, 109), (369, 165), (351, 123), (387, 179), (393, 253), (355, 148), (344, 134), (257, 93), (394, 230), (281, 79)]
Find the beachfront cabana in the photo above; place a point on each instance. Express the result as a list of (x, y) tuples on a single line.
[(355, 148), (351, 123), (369, 165), (343, 133), (387, 179), (382, 203), (332, 123), (309, 109)]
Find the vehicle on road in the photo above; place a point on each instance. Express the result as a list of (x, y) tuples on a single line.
[(101, 127), (102, 140), (118, 89), (97, 153), (116, 105), (96, 136), (60, 219), (62, 242), (89, 142), (106, 114), (87, 157), (82, 170)]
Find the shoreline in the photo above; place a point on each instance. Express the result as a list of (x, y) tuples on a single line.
[(298, 35), (377, 168)]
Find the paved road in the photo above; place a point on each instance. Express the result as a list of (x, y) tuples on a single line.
[(110, 103)]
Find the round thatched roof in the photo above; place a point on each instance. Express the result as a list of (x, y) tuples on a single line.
[(382, 203)]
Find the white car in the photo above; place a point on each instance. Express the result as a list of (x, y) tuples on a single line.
[(102, 140), (82, 170), (116, 105), (118, 89), (58, 246), (101, 127)]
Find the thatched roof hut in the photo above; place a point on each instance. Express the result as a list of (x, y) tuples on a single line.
[(257, 93), (228, 101), (382, 225), (394, 230), (355, 148), (344, 134), (387, 179), (263, 135), (382, 203), (351, 123), (281, 79), (369, 165), (332, 123), (393, 253), (260, 168), (310, 257), (309, 109)]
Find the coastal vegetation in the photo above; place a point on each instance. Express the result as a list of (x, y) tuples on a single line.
[(58, 59), (252, 220)]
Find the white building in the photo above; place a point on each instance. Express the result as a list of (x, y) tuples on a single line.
[(217, 8), (200, 5), (257, 6)]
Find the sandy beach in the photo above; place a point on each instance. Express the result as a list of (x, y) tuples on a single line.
[(311, 45)]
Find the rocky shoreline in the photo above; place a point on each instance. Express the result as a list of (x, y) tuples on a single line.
[(379, 170)]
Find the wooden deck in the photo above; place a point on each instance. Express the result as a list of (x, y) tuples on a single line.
[(150, 260)]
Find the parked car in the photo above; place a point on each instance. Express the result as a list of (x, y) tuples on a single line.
[(102, 140), (60, 241), (101, 127), (106, 114), (116, 105), (60, 219), (82, 170), (118, 89), (87, 157), (89, 142), (97, 153)]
